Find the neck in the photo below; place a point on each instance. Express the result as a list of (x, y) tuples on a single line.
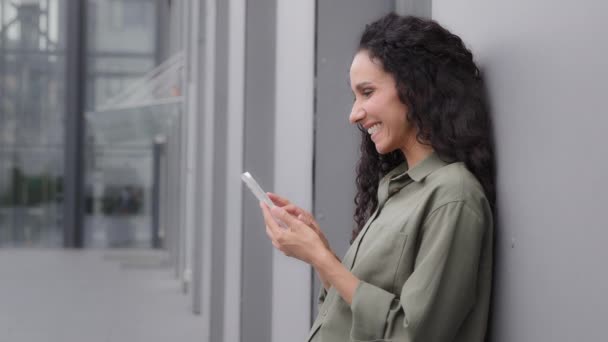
[(415, 153)]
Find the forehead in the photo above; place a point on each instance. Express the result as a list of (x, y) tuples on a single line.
[(366, 69)]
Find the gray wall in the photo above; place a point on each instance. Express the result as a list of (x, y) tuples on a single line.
[(339, 26), (256, 311), (546, 67), (420, 8)]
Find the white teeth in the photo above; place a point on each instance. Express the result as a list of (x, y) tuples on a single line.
[(373, 129)]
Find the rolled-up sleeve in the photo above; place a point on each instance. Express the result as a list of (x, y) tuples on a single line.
[(322, 295), (370, 307), (440, 292)]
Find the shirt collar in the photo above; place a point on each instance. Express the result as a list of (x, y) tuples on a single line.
[(424, 168)]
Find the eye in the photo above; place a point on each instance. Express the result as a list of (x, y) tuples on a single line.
[(367, 92)]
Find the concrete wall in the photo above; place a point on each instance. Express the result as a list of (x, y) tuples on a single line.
[(546, 67)]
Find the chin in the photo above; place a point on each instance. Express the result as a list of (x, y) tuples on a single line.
[(382, 150)]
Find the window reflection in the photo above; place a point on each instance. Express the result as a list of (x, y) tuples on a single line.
[(121, 48), (32, 111)]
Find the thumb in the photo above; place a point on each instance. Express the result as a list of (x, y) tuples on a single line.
[(278, 200), (283, 215), (306, 220), (303, 219)]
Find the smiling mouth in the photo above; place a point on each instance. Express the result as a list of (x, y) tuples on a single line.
[(375, 128)]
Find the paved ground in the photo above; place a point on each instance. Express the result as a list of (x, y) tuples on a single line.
[(92, 296)]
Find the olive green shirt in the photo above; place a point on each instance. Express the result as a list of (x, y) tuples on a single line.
[(424, 261)]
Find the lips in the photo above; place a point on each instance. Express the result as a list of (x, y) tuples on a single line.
[(374, 128)]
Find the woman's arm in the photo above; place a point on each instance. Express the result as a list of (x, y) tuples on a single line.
[(324, 260), (333, 271)]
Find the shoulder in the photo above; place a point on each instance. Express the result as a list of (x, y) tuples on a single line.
[(455, 184)]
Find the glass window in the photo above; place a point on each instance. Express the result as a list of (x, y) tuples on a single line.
[(122, 48), (32, 113), (122, 44)]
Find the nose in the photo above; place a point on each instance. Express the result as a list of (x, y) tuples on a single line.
[(356, 114)]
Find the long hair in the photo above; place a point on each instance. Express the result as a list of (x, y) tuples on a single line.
[(437, 79)]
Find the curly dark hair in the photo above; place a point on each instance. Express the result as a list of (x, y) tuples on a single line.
[(437, 79)]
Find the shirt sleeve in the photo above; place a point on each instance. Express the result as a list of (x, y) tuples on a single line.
[(439, 293), (322, 295)]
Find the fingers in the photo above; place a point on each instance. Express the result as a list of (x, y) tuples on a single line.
[(297, 211), (273, 230), (292, 209), (273, 239), (309, 220), (270, 234), (306, 220), (284, 216), (278, 200), (289, 207), (308, 216), (271, 224), (302, 215)]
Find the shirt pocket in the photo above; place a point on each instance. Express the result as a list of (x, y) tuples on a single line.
[(379, 259)]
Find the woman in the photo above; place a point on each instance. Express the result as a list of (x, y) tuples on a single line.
[(420, 263)]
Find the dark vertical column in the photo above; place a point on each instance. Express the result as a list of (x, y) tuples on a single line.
[(219, 173), (4, 152), (73, 180), (260, 40), (163, 19), (339, 25), (156, 172)]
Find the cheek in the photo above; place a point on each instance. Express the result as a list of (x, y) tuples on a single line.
[(374, 105), (399, 112), (403, 118), (380, 106), (399, 124)]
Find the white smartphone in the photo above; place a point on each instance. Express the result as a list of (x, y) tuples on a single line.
[(256, 189)]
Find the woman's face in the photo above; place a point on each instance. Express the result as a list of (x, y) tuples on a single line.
[(377, 106)]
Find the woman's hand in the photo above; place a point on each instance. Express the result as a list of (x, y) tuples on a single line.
[(302, 242), (298, 240), (300, 213), (307, 218)]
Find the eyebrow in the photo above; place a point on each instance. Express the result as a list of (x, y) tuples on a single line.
[(362, 85)]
